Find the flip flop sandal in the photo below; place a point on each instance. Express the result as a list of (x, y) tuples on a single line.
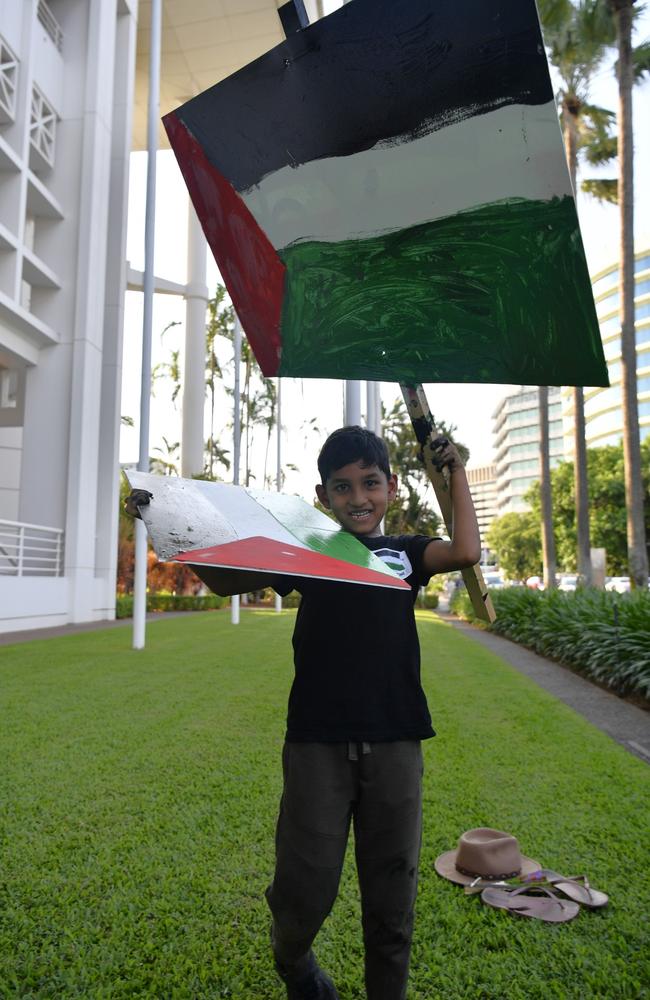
[(546, 906), (576, 887), (479, 884)]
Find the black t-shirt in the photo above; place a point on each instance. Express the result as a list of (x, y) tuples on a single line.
[(357, 655)]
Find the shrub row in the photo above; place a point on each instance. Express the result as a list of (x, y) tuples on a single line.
[(604, 635), (169, 602)]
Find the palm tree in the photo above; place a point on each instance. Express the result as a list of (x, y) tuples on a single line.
[(221, 318), (168, 369), (577, 38), (629, 66), (167, 464)]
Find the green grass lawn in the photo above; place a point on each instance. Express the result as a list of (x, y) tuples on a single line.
[(138, 794)]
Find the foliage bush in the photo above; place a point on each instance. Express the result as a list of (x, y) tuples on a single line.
[(169, 602), (604, 635), (292, 600), (429, 600)]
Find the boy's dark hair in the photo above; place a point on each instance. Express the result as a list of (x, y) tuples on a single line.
[(352, 444)]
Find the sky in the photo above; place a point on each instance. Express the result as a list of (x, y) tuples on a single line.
[(313, 408)]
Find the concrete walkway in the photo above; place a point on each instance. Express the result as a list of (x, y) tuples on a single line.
[(27, 635), (625, 723)]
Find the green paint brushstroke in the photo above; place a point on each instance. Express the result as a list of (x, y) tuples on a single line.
[(341, 545), (497, 294), (316, 530)]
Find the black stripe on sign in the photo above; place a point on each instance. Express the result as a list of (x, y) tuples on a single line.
[(374, 70)]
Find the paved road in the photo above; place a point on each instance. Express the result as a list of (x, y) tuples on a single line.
[(625, 723)]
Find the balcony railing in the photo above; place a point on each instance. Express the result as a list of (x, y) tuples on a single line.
[(30, 549)]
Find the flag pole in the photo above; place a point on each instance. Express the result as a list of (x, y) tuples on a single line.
[(236, 445), (140, 571), (425, 432), (278, 478)]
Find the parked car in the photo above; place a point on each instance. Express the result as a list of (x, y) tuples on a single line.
[(494, 581), (535, 582), (621, 584), (568, 582)]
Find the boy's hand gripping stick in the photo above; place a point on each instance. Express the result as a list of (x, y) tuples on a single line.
[(426, 433)]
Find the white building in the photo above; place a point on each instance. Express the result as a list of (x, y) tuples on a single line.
[(66, 83), (516, 444), (68, 78), (603, 413), (483, 487)]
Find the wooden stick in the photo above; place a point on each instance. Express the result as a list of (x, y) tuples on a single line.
[(425, 432)]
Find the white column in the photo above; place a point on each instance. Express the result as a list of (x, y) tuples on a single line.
[(109, 439), (83, 328), (196, 299), (370, 405), (352, 403), (377, 427)]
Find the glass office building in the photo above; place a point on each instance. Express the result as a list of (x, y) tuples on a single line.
[(516, 444), (603, 413)]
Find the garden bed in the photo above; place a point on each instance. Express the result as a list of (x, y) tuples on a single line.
[(603, 635)]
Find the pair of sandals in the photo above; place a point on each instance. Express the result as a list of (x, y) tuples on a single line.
[(545, 895)]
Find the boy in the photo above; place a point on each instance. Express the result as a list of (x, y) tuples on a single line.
[(357, 714)]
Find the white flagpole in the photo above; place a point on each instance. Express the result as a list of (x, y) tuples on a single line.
[(140, 574), (234, 600), (278, 479)]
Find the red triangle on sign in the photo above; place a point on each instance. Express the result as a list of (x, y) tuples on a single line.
[(269, 556)]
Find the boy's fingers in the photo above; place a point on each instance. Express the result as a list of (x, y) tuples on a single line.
[(135, 499), (444, 454)]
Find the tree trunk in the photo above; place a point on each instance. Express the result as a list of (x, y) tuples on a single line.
[(548, 539), (636, 542), (571, 111)]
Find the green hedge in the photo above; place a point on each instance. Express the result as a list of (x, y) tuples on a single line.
[(604, 635), (169, 602)]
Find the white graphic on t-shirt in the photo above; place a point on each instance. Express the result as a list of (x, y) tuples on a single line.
[(398, 561)]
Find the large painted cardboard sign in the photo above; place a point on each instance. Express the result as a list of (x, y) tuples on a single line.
[(234, 531), (386, 195)]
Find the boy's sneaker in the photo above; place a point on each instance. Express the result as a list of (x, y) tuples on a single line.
[(312, 985)]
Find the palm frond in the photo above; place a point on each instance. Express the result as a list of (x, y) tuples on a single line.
[(603, 189), (641, 60)]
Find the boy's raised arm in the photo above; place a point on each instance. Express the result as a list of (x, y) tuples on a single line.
[(464, 549)]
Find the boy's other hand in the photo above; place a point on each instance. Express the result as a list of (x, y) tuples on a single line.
[(136, 499), (445, 453)]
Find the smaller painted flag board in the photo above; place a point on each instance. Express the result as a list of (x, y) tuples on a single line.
[(387, 197), (238, 531)]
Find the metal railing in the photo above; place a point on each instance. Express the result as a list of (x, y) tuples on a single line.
[(50, 23), (30, 549)]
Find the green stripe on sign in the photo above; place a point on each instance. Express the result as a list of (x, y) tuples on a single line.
[(500, 293), (341, 545)]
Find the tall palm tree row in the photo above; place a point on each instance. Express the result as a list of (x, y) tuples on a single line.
[(577, 38)]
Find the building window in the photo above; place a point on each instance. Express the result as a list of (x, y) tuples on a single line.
[(12, 396), (42, 130), (8, 81)]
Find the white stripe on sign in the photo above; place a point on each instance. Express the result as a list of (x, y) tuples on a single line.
[(514, 152)]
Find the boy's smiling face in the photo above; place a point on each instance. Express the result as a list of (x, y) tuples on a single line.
[(358, 496)]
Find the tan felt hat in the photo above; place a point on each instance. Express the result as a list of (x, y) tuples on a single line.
[(484, 853)]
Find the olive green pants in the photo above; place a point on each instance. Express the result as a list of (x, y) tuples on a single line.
[(327, 786)]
